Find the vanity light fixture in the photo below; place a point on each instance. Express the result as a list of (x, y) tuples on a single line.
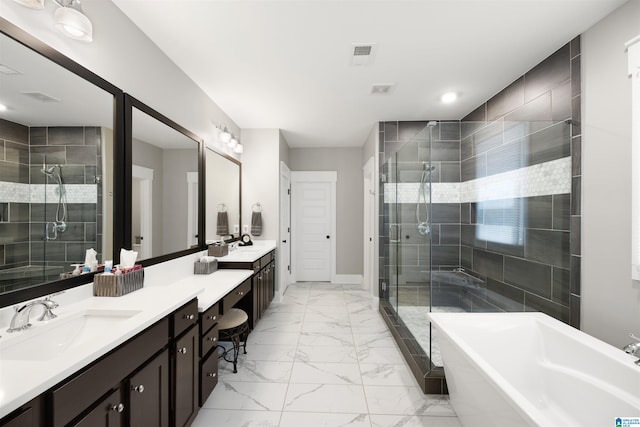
[(68, 18), (225, 135), (238, 149), (72, 22), (233, 142), (3, 107)]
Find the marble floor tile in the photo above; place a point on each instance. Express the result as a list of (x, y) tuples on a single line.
[(273, 338), (413, 421), (322, 419), (256, 371), (322, 358), (247, 396), (387, 374), (335, 354), (379, 355), (401, 400), (325, 398), (325, 373), (325, 339), (229, 418), (373, 340)]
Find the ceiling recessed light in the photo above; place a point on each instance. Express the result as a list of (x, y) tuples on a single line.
[(449, 97), (382, 89)]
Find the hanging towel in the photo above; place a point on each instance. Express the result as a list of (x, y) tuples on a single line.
[(256, 223), (223, 224)]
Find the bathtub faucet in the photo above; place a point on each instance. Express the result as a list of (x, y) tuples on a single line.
[(633, 348)]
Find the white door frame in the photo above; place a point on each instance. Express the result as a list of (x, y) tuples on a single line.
[(330, 177), (192, 211), (284, 269), (368, 172), (145, 175)]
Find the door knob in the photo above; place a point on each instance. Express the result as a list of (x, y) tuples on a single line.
[(327, 237), (284, 241)]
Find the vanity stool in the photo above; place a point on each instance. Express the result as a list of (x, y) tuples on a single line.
[(234, 326)]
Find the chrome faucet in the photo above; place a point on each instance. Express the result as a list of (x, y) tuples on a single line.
[(20, 319), (633, 348)]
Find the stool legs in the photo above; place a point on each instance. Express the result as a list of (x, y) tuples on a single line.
[(235, 334)]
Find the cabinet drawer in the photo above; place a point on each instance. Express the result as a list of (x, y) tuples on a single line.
[(265, 260), (184, 317), (208, 376), (209, 318), (209, 341), (75, 395), (110, 412), (236, 295)]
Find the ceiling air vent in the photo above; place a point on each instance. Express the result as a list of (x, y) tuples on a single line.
[(39, 96), (362, 53), (382, 89)]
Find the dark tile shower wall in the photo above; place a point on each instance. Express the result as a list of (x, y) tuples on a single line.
[(533, 121), (23, 151)]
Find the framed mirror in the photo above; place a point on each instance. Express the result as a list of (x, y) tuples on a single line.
[(166, 202), (223, 195), (58, 129)]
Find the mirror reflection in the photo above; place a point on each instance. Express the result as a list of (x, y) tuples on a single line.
[(164, 188), (55, 143), (223, 196)]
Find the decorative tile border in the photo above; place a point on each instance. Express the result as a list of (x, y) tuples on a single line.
[(11, 192), (543, 179)]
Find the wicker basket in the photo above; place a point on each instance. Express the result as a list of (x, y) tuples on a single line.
[(218, 250), (205, 267), (111, 285)]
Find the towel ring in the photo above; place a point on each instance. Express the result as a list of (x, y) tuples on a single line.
[(222, 207), (256, 205)]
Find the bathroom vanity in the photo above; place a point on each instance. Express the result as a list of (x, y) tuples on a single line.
[(146, 358)]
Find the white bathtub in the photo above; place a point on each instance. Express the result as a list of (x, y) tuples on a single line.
[(528, 369)]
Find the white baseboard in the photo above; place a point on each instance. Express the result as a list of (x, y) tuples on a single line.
[(347, 279)]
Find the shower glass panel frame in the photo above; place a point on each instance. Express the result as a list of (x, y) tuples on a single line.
[(407, 216)]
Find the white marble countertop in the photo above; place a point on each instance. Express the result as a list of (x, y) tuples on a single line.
[(22, 380), (249, 253)]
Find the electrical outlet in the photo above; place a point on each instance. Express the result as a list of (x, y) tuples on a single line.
[(245, 228), (236, 228)]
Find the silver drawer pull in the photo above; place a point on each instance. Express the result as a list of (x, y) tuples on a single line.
[(189, 316), (139, 388), (212, 374), (118, 408), (183, 350), (212, 338), (240, 293), (211, 317)]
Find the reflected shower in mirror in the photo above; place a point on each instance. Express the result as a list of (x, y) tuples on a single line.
[(223, 196), (56, 133), (164, 207)]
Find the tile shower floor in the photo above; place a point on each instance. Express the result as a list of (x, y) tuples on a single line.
[(322, 357)]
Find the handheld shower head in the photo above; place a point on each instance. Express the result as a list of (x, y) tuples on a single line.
[(48, 171)]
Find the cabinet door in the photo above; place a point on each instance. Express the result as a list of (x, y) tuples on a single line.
[(149, 393), (272, 282), (31, 414), (186, 367), (257, 292), (110, 412)]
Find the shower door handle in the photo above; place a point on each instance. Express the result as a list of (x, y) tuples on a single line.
[(49, 227), (397, 236)]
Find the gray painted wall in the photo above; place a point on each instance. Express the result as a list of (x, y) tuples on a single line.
[(610, 299), (349, 198)]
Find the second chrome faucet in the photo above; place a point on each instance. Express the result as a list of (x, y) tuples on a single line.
[(20, 319)]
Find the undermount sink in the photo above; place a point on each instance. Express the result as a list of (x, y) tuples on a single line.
[(54, 338)]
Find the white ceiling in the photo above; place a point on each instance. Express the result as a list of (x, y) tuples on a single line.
[(286, 64)]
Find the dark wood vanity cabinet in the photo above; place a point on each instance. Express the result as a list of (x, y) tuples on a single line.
[(262, 284), (148, 393), (150, 380), (208, 351)]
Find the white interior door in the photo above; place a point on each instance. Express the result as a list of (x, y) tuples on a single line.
[(141, 209), (284, 269), (313, 200)]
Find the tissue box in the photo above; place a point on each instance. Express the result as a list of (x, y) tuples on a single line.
[(205, 267), (218, 250), (111, 285)]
